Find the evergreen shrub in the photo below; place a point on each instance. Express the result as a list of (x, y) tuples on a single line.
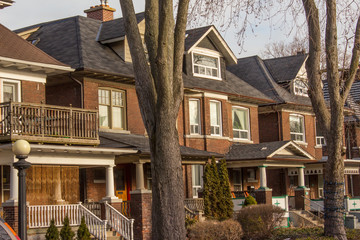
[(66, 232), (249, 200), (52, 232), (83, 231)]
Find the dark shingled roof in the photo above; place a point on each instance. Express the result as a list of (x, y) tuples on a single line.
[(254, 71), (15, 47), (115, 28), (193, 35), (141, 143), (72, 41), (284, 69), (261, 151)]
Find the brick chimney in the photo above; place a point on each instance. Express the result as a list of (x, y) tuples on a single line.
[(101, 12)]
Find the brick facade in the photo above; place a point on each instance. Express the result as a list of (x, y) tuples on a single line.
[(263, 196), (141, 211), (94, 191), (101, 12), (11, 216), (32, 92)]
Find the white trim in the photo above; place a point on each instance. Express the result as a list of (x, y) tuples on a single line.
[(248, 121), (22, 75), (295, 146), (215, 95), (220, 118), (303, 127), (210, 54), (18, 88), (197, 100)]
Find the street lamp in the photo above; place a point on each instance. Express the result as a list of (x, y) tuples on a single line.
[(21, 149)]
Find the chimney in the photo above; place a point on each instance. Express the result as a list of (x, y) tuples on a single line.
[(101, 12)]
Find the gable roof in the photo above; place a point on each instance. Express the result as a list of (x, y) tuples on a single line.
[(141, 143), (17, 51), (195, 36), (268, 150), (5, 3), (284, 69), (254, 71)]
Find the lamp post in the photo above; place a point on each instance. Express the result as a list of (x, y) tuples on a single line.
[(21, 149)]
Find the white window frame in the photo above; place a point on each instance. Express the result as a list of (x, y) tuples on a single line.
[(303, 127), (320, 140), (300, 90), (237, 185), (13, 82), (220, 118), (196, 188), (248, 122), (207, 53), (111, 115), (193, 126)]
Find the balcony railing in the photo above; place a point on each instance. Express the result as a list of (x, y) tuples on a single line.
[(48, 124)]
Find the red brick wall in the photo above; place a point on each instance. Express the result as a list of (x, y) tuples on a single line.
[(32, 92), (90, 94), (268, 127), (94, 191), (102, 15), (64, 94)]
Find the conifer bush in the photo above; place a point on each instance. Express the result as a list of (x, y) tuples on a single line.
[(226, 206), (249, 200), (52, 232), (66, 233), (83, 232)]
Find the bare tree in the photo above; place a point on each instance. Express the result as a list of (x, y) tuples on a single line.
[(159, 89), (282, 49)]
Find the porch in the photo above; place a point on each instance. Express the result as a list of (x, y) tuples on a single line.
[(48, 124)]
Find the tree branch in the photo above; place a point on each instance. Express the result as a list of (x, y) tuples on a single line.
[(354, 63), (313, 65), (143, 80), (179, 42)]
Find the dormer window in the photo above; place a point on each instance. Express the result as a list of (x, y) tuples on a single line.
[(206, 65), (300, 88)]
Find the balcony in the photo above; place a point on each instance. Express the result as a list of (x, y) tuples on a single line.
[(48, 124)]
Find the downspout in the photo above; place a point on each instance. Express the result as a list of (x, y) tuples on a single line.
[(81, 90)]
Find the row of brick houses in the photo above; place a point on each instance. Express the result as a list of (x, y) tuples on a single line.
[(67, 87)]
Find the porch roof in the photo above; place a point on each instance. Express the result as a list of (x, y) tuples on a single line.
[(278, 151), (141, 143)]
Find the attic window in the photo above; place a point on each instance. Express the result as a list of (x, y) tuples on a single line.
[(300, 88), (206, 65)]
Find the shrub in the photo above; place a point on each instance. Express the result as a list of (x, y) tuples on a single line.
[(189, 221), (259, 221), (226, 206), (83, 232), (215, 230), (249, 200), (211, 190), (66, 233), (52, 232)]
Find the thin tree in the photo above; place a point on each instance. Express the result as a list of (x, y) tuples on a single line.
[(211, 190), (226, 205), (159, 88)]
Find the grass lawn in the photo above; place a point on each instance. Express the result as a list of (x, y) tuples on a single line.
[(310, 233)]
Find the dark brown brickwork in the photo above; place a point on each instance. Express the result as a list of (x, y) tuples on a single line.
[(141, 212), (32, 92), (263, 196), (95, 191), (64, 94), (90, 94), (268, 127), (11, 215), (299, 198)]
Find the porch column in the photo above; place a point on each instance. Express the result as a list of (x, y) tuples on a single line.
[(301, 192), (140, 176), (263, 182), (110, 186), (57, 186), (14, 186), (263, 194)]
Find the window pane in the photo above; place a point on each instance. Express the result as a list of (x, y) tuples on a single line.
[(240, 119), (117, 117), (117, 98), (214, 113), (104, 115), (205, 60), (9, 93), (194, 112), (296, 124), (104, 97)]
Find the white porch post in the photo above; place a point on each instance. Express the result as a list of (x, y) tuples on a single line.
[(140, 176), (14, 185), (57, 188), (263, 182), (110, 186), (301, 180)]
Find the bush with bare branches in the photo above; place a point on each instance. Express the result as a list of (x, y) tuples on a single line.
[(215, 230)]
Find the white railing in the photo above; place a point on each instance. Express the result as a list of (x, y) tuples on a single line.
[(120, 223), (39, 216), (96, 226)]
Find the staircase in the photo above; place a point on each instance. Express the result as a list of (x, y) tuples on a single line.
[(302, 218)]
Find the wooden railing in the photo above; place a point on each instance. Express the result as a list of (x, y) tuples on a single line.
[(120, 223), (46, 123), (94, 207), (194, 204), (39, 216)]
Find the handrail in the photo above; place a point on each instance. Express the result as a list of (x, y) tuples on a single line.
[(96, 226), (120, 223), (318, 209)]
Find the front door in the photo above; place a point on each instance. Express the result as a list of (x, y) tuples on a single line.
[(121, 183)]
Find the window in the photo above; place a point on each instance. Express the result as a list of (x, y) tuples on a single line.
[(206, 66), (320, 140), (241, 127), (10, 91), (215, 118), (112, 108), (251, 175), (148, 176), (197, 179), (194, 115), (300, 88), (297, 128), (237, 180)]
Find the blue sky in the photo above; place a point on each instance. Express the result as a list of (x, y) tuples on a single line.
[(27, 12)]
